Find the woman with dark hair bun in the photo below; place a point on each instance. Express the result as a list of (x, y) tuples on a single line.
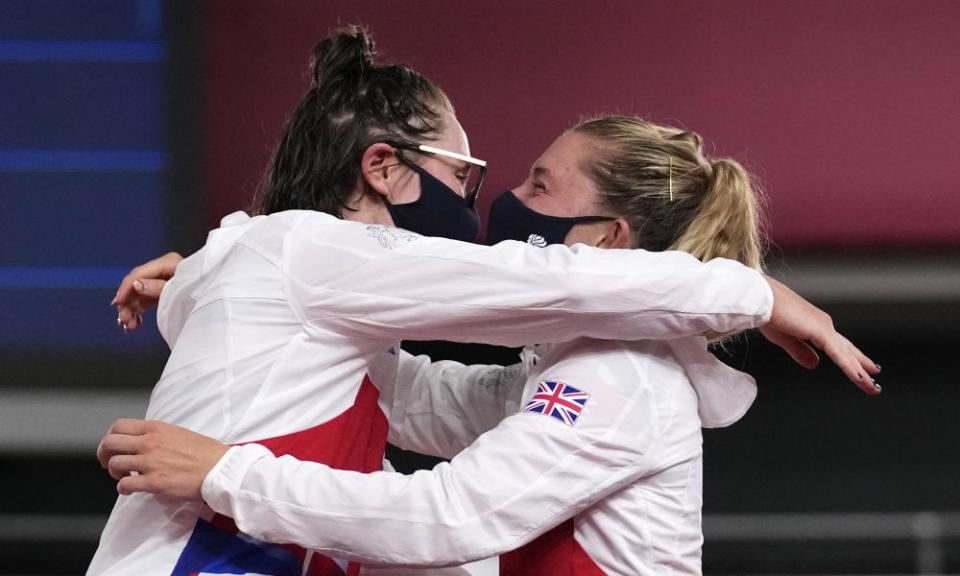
[(353, 102), (284, 329)]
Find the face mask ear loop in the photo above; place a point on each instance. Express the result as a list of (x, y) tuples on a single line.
[(406, 163)]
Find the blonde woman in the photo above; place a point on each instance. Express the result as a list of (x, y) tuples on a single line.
[(584, 459)]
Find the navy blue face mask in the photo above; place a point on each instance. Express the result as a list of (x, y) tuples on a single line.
[(438, 212), (510, 219)]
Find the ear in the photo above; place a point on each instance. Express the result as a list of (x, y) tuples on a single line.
[(375, 167), (616, 235)]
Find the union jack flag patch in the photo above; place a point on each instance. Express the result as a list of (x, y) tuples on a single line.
[(557, 400)]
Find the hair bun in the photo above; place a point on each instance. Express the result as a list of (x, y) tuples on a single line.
[(348, 52)]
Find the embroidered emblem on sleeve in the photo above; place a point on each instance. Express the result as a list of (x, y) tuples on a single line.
[(557, 400), (389, 237), (537, 240)]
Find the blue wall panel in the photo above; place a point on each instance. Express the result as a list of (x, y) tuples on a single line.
[(85, 219), (80, 19), (67, 318), (83, 169), (81, 105)]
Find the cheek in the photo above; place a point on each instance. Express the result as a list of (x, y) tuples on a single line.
[(406, 189), (541, 203), (577, 235)]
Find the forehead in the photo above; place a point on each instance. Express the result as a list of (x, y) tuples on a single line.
[(452, 137), (564, 162)]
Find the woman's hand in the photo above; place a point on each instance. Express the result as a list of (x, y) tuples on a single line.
[(140, 289), (796, 324), (159, 458)]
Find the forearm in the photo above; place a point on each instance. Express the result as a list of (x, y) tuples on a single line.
[(513, 294), (440, 408), (485, 502)]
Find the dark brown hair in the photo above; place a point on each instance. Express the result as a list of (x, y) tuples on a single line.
[(352, 102)]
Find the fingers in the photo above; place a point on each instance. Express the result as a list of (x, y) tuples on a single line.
[(794, 321), (861, 367), (132, 282), (140, 289), (850, 361), (124, 290), (142, 293), (865, 382), (123, 437), (802, 353), (149, 289), (129, 317), (135, 483), (131, 426), (113, 444), (871, 367), (855, 365), (123, 465)]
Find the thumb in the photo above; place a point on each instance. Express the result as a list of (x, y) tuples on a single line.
[(801, 352), (149, 288)]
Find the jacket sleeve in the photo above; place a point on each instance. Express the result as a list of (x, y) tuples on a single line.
[(386, 283), (177, 299), (179, 295), (526, 475), (440, 408)]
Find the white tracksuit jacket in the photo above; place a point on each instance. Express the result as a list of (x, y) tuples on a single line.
[(615, 491), (284, 332)]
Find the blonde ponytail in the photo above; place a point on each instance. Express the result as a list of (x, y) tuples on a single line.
[(728, 221), (673, 197)]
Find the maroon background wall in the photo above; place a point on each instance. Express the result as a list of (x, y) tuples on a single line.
[(848, 110)]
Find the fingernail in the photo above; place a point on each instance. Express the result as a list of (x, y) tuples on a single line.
[(138, 285), (125, 328), (877, 365), (877, 386), (119, 321)]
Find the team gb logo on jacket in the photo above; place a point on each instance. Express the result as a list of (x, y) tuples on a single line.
[(537, 240), (557, 400)]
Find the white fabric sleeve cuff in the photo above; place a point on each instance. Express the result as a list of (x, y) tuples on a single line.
[(767, 302), (223, 482)]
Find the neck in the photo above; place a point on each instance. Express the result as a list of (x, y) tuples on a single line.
[(367, 208)]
